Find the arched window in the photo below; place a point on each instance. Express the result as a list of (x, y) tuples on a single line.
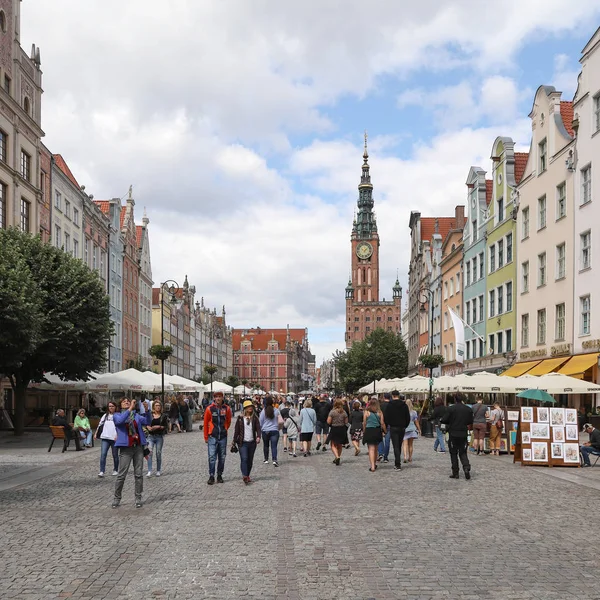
[(2, 21), (26, 104)]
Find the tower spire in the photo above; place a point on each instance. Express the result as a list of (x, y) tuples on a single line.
[(365, 225)]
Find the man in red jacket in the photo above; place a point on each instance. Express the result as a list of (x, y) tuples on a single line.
[(217, 419)]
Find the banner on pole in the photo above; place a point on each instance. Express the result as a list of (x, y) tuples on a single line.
[(459, 336)]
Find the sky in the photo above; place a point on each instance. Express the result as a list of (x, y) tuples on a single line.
[(240, 126)]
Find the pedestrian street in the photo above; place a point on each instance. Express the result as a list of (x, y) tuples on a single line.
[(307, 530)]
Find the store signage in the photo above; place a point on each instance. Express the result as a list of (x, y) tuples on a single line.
[(591, 345), (560, 349), (533, 354)]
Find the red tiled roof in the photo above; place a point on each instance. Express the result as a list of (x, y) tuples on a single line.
[(103, 205), (62, 165), (139, 230), (489, 191), (520, 164), (261, 337), (566, 112), (445, 225), (123, 211)]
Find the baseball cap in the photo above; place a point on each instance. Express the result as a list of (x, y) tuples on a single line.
[(586, 426)]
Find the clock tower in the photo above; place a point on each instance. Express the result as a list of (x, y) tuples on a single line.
[(364, 311)]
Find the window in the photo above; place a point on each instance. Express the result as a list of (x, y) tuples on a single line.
[(468, 274), (474, 308), (525, 330), (458, 283), (367, 329), (7, 84), (492, 259), (541, 326), (491, 345), (541, 212), (67, 209), (75, 216), (445, 321), (3, 146), (57, 236), (586, 185), (584, 303), (445, 290), (499, 344), (356, 319), (75, 248), (508, 340), (102, 261), (25, 215), (509, 296), (58, 200), (451, 286), (26, 104), (585, 241), (525, 224), (67, 245), (390, 319), (543, 155), (25, 165), (356, 329), (525, 276), (474, 225), (3, 189), (272, 359), (509, 248), (500, 296), (481, 307), (272, 371), (561, 200), (597, 112), (95, 257), (481, 265), (500, 253), (367, 319), (541, 269), (378, 319), (468, 348), (254, 371), (468, 312), (500, 209), (560, 261), (492, 303), (559, 328)]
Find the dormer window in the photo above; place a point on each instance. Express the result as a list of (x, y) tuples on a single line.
[(543, 155)]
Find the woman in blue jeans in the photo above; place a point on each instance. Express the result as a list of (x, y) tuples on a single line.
[(107, 433), (269, 425), (246, 436), (156, 430), (438, 412)]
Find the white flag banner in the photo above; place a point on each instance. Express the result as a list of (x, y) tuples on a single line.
[(459, 336)]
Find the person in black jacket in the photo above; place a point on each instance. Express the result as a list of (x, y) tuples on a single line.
[(322, 408), (458, 420), (59, 420), (592, 446), (397, 418)]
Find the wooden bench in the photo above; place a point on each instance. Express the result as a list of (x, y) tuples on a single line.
[(58, 433)]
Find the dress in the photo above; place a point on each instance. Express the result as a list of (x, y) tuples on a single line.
[(411, 431), (338, 434), (373, 434)]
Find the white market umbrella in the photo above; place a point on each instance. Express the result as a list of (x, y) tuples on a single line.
[(182, 384), (127, 380), (242, 390), (557, 383), (484, 382), (56, 383), (219, 386)]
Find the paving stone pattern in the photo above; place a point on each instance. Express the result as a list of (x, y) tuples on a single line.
[(308, 530)]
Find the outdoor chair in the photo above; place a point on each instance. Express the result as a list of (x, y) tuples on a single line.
[(595, 453), (59, 433)]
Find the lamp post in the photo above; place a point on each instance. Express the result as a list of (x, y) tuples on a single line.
[(426, 297), (172, 300)]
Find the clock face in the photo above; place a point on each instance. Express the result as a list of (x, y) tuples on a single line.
[(364, 250)]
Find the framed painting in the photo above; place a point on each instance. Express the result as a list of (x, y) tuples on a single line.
[(543, 416), (571, 453), (571, 433), (527, 414), (557, 450), (558, 434), (525, 437), (570, 416), (540, 431), (539, 451), (513, 439), (503, 445), (526, 454), (557, 417)]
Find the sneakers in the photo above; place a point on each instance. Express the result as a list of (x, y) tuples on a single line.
[(284, 449), (318, 445), (211, 480), (324, 448), (275, 463), (265, 462), (386, 460), (380, 457), (295, 455), (468, 474), (149, 474), (116, 503), (158, 473), (115, 473), (101, 474), (138, 504), (305, 455), (454, 476), (397, 468), (220, 479)]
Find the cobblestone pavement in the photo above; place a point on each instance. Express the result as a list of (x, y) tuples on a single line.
[(308, 530)]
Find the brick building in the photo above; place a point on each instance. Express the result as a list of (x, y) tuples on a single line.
[(364, 311), (275, 359)]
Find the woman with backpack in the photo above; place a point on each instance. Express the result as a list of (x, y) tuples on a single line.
[(246, 436), (174, 415), (495, 417), (292, 423)]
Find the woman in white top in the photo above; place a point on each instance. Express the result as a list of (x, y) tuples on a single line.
[(107, 432), (308, 420), (246, 436)]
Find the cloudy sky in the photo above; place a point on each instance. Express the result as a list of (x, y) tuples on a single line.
[(240, 125)]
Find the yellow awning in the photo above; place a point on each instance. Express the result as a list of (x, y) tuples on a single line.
[(520, 368), (579, 364), (548, 365)]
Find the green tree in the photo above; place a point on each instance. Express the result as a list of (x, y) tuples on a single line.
[(232, 380), (55, 315), (381, 354)]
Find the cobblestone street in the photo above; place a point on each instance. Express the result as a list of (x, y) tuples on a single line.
[(308, 530)]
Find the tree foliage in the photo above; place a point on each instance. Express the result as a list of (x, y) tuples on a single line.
[(431, 361), (381, 354), (233, 381), (55, 315), (160, 352)]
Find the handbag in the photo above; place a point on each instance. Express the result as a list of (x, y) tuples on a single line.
[(234, 448), (100, 428)]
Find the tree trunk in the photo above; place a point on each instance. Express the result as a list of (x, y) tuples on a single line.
[(20, 390)]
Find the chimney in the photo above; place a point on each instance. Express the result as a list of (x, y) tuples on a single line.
[(459, 215)]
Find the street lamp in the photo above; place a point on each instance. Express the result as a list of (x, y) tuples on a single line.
[(173, 289), (426, 297)]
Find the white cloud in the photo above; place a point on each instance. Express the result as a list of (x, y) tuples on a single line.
[(564, 78)]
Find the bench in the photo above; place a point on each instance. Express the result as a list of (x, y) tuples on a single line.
[(58, 433)]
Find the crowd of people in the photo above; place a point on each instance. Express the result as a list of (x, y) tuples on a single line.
[(134, 431)]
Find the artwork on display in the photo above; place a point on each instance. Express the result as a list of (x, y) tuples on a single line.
[(527, 414), (539, 451), (571, 433), (527, 454), (503, 445), (571, 453), (540, 431), (558, 434), (543, 415), (525, 437), (557, 417), (513, 439), (571, 416), (557, 450), (512, 415)]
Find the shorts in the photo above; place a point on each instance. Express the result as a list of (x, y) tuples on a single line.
[(292, 438), (306, 437), (321, 428), (479, 430), (284, 430)]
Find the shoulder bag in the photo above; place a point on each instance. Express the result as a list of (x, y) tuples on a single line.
[(100, 427)]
